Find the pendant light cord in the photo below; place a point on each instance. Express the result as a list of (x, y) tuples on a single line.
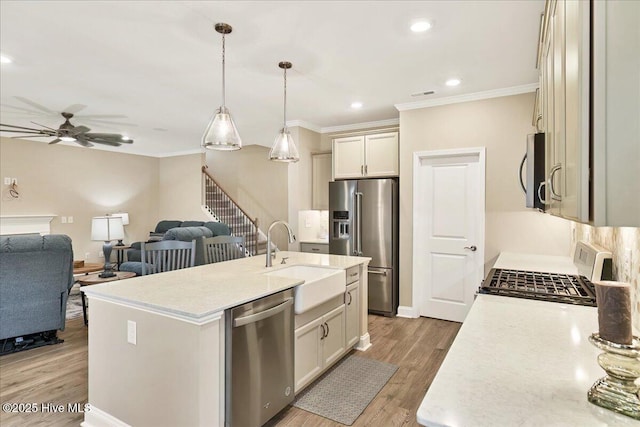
[(285, 99), (223, 79)]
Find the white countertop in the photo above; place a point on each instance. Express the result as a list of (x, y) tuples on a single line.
[(538, 263), (518, 362), (201, 291)]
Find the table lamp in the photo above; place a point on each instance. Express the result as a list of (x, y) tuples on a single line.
[(125, 221), (106, 229)]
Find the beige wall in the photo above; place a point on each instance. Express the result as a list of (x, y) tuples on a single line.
[(500, 125), (180, 188), (80, 182), (258, 185), (300, 177), (618, 240)]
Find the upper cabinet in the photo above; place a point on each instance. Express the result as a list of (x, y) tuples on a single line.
[(366, 156), (588, 66)]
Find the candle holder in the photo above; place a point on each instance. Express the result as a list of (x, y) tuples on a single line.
[(618, 390)]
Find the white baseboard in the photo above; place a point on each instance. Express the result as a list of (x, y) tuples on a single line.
[(98, 418), (408, 312), (364, 343)]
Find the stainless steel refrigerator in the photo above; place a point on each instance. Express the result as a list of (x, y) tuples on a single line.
[(363, 217)]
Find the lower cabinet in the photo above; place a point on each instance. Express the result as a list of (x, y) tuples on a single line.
[(318, 344), (352, 314)]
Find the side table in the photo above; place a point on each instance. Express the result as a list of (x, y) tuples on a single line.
[(120, 251), (88, 267), (94, 279)]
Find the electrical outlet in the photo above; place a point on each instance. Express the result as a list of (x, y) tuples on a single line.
[(626, 265), (131, 332), (63, 220), (100, 254), (70, 220), (7, 180), (87, 255)]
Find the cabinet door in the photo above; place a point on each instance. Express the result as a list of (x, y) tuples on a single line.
[(314, 248), (321, 175), (308, 353), (381, 155), (333, 345), (348, 157), (352, 318), (556, 181), (547, 95)]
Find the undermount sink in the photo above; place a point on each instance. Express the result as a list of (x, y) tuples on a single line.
[(320, 284)]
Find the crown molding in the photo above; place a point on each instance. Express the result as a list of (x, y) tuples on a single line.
[(496, 93), (364, 125), (304, 124), (198, 150)]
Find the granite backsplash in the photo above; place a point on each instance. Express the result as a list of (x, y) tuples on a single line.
[(617, 240)]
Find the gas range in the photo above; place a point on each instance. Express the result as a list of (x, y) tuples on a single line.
[(563, 288), (590, 262)]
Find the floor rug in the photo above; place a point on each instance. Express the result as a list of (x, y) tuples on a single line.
[(343, 392), (74, 303)]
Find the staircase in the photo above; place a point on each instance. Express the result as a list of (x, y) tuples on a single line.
[(219, 205)]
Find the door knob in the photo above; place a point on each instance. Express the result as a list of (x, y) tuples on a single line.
[(471, 248)]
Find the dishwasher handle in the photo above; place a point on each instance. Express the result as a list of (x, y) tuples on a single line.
[(252, 318)]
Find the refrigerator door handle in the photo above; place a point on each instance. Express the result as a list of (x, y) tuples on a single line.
[(355, 224), (383, 273), (359, 224)]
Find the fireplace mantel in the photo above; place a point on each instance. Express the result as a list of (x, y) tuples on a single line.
[(25, 224)]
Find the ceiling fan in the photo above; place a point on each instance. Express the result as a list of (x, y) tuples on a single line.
[(69, 133)]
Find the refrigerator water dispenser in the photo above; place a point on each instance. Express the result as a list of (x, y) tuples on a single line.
[(340, 221)]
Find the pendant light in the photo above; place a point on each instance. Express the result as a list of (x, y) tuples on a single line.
[(284, 148), (221, 133)]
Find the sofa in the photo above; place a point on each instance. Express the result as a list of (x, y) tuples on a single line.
[(36, 274), (184, 234)]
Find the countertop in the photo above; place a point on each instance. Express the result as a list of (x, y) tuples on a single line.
[(538, 263), (518, 362), (199, 292)]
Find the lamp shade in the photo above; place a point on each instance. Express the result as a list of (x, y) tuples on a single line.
[(222, 134), (106, 228), (284, 148), (124, 216)]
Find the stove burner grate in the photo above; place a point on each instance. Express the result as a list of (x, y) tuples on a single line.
[(564, 288)]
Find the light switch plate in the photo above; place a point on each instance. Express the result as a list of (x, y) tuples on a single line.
[(63, 220), (7, 180), (70, 220)]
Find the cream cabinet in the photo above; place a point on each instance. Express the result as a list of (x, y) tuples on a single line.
[(590, 109), (366, 156), (352, 314), (320, 177), (318, 344)]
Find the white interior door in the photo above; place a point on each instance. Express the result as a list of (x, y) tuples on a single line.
[(448, 236)]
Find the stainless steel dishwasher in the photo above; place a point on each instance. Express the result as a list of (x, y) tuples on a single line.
[(258, 360)]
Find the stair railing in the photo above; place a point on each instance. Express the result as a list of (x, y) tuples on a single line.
[(228, 211)]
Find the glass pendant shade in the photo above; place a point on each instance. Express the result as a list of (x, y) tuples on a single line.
[(284, 148), (222, 134)]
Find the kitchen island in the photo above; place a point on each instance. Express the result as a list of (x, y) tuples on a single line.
[(518, 362), (157, 343)]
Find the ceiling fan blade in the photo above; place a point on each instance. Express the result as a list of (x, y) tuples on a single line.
[(17, 127), (83, 142), (21, 110), (73, 109), (104, 142), (101, 116), (44, 126), (25, 131), (77, 130), (108, 122), (55, 141), (30, 136), (103, 135), (35, 105)]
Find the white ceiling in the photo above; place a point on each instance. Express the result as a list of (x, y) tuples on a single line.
[(158, 63)]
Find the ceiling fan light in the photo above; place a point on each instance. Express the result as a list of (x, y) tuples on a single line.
[(67, 138), (284, 148), (221, 133)]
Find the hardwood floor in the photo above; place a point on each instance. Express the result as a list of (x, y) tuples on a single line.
[(58, 374)]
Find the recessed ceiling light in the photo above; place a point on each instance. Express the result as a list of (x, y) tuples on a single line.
[(356, 105), (452, 82), (420, 26), (5, 59)]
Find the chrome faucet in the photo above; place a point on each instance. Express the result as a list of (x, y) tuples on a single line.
[(292, 238)]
